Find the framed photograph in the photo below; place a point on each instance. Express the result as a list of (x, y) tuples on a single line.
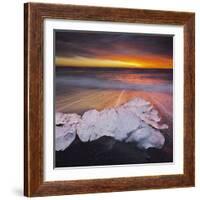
[(109, 99)]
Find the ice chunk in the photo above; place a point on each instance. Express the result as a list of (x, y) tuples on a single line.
[(147, 137), (96, 124), (61, 118), (65, 130), (127, 122), (135, 121), (64, 137), (145, 111)]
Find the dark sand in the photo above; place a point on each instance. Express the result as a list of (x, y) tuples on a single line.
[(108, 151)]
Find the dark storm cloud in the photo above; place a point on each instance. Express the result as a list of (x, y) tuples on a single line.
[(98, 44)]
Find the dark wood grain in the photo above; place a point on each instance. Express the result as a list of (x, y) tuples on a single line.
[(34, 15)]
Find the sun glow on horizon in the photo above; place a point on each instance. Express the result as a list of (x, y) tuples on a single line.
[(141, 62)]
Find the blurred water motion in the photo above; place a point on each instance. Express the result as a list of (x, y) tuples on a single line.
[(78, 90)]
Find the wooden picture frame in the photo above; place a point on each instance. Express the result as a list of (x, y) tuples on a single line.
[(34, 16)]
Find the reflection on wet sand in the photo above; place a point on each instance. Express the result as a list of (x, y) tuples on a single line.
[(84, 100), (79, 91)]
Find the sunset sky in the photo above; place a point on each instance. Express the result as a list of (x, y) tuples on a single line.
[(122, 50)]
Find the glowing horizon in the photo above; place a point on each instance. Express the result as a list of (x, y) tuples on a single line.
[(94, 62)]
